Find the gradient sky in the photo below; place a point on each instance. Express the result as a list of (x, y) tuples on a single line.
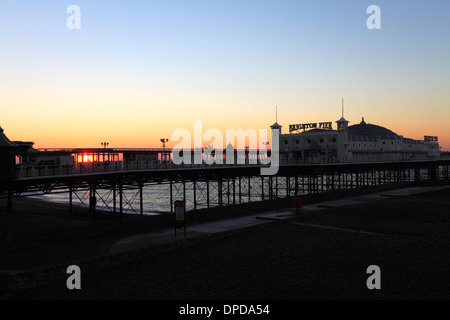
[(138, 70)]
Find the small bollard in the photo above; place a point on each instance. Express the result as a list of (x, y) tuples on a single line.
[(180, 221), (297, 203)]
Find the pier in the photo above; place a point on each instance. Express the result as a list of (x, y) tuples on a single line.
[(114, 179), (206, 186)]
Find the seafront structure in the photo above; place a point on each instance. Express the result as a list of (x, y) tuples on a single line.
[(115, 178), (309, 143), (363, 142), (8, 150)]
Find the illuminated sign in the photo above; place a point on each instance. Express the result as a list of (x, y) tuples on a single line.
[(304, 126), (430, 138)]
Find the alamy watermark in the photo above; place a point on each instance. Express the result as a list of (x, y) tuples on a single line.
[(374, 281), (74, 280), (374, 21), (74, 20), (190, 150)]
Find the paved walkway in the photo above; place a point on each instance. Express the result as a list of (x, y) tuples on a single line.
[(20, 271)]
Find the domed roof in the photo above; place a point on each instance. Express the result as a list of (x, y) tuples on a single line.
[(367, 129)]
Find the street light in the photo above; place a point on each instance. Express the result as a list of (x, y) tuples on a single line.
[(104, 144), (265, 144), (163, 140)]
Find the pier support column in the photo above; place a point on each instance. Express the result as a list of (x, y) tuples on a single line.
[(234, 190), (239, 190), (70, 199), (92, 199), (207, 193), (195, 195), (141, 200), (276, 187), (262, 188), (249, 190), (228, 190), (184, 194), (9, 205), (120, 199), (416, 175), (432, 172), (171, 196), (219, 191), (288, 186), (310, 189), (333, 177), (114, 199)]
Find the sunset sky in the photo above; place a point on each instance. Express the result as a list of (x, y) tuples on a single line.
[(138, 70)]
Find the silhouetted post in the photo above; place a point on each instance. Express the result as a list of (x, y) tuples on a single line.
[(92, 199), (114, 199), (70, 199), (249, 190), (195, 194), (228, 190), (184, 193), (10, 200), (432, 172), (171, 196), (234, 190), (141, 200), (262, 188), (288, 186), (207, 193), (276, 187), (7, 166), (120, 199), (239, 190), (219, 191)]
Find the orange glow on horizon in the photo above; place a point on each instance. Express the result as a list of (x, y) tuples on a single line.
[(146, 133)]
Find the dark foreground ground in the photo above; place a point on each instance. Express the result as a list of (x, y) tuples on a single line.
[(408, 238)]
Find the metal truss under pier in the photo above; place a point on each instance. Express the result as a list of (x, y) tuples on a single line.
[(207, 187)]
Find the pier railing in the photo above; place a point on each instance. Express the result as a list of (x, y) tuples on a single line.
[(208, 188), (97, 167), (26, 171)]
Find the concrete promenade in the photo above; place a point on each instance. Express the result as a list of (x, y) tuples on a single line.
[(35, 267)]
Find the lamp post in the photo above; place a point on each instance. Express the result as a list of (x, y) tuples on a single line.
[(266, 143), (163, 140), (209, 149), (104, 144)]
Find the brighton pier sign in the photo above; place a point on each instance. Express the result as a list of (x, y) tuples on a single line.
[(430, 138), (304, 126)]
